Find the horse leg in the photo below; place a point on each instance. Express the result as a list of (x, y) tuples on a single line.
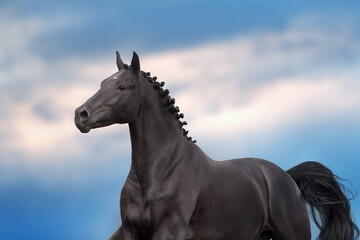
[(298, 229), (288, 214), (295, 227)]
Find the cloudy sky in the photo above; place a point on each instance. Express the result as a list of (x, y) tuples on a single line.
[(268, 79)]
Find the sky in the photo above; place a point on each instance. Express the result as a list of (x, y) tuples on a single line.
[(277, 80)]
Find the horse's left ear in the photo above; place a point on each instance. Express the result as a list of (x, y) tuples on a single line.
[(135, 64), (119, 62)]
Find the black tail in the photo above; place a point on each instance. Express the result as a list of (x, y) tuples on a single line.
[(326, 197)]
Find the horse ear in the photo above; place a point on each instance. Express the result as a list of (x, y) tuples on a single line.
[(135, 64), (119, 62)]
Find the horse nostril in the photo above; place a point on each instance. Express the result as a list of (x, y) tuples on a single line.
[(84, 115)]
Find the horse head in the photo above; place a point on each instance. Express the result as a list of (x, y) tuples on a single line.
[(117, 100)]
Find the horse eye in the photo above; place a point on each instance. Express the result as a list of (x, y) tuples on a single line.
[(122, 87)]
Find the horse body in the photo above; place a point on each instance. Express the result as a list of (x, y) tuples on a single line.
[(175, 191), (224, 211), (194, 193), (250, 199)]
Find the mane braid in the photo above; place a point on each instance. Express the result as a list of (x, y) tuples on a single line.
[(169, 102)]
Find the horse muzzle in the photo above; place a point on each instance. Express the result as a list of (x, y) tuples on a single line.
[(82, 116)]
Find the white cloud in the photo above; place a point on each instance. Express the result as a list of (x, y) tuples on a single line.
[(18, 59), (262, 81), (28, 81), (258, 55), (289, 102), (248, 84)]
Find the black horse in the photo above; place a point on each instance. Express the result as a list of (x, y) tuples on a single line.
[(175, 191)]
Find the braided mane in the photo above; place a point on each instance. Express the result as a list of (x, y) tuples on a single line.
[(169, 102)]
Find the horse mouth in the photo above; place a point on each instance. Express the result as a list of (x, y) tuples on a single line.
[(85, 128), (85, 121), (82, 128)]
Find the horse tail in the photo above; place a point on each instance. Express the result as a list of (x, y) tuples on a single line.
[(327, 199)]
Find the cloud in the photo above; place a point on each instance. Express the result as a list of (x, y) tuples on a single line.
[(259, 56), (20, 61), (248, 84), (38, 97), (286, 103), (261, 81)]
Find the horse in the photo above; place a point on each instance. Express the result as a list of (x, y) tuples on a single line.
[(174, 191)]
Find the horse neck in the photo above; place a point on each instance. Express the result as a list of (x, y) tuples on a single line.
[(155, 136)]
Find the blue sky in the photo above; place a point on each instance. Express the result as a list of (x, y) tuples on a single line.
[(272, 79)]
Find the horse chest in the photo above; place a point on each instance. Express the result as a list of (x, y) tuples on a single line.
[(133, 211), (135, 216), (143, 213)]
